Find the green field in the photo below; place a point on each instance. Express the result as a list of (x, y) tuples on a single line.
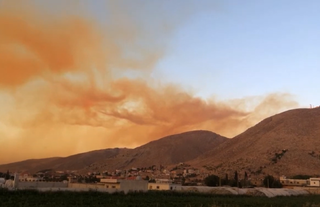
[(26, 198)]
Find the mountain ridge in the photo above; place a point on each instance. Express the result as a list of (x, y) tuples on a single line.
[(120, 158), (287, 143), (278, 145)]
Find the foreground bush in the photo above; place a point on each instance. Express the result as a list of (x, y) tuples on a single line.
[(29, 198)]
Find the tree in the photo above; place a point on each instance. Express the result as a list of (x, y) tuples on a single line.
[(7, 177), (183, 181), (225, 181), (211, 180), (63, 177), (236, 178), (270, 182), (245, 178)]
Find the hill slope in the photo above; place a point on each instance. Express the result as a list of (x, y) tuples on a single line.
[(73, 162), (284, 144), (166, 151)]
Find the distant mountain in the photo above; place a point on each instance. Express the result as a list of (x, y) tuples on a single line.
[(166, 151), (74, 162), (284, 144)]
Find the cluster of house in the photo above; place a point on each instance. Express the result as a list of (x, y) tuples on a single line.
[(150, 178), (181, 174), (105, 184)]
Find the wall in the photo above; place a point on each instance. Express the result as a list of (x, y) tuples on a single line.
[(112, 185), (133, 185), (314, 182), (158, 186), (88, 186), (163, 186), (26, 185), (125, 186)]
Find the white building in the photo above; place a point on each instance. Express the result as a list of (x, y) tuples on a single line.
[(314, 182), (293, 182), (110, 183)]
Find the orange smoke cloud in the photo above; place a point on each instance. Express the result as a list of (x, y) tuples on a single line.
[(32, 46), (67, 99)]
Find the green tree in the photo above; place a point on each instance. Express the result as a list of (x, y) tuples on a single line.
[(245, 181), (211, 180), (7, 176), (270, 182), (225, 181), (236, 178)]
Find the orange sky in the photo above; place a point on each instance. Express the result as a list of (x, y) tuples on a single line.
[(65, 87)]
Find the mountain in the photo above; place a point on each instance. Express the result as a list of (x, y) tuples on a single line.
[(166, 151), (74, 162), (285, 144)]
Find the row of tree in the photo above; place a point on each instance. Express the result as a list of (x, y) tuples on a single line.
[(6, 175), (214, 180)]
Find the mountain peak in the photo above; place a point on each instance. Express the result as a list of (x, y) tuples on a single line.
[(278, 145)]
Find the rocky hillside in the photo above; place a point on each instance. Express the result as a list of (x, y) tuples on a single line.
[(284, 144), (166, 151), (74, 162)]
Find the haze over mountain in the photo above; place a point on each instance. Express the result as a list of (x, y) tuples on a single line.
[(166, 151), (73, 162), (284, 144)]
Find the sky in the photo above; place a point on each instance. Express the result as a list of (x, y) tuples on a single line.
[(83, 75)]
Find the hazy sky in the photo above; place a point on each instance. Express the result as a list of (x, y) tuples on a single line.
[(84, 75)]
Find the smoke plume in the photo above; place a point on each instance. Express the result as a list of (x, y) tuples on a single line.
[(69, 84)]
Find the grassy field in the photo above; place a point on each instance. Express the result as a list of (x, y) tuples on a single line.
[(29, 198)]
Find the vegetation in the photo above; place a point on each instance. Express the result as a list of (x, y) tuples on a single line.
[(212, 180), (278, 156), (32, 198), (270, 182)]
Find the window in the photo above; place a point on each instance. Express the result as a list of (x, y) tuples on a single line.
[(113, 186), (150, 187), (158, 187), (107, 186)]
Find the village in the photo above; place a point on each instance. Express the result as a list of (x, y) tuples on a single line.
[(182, 174), (180, 178)]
